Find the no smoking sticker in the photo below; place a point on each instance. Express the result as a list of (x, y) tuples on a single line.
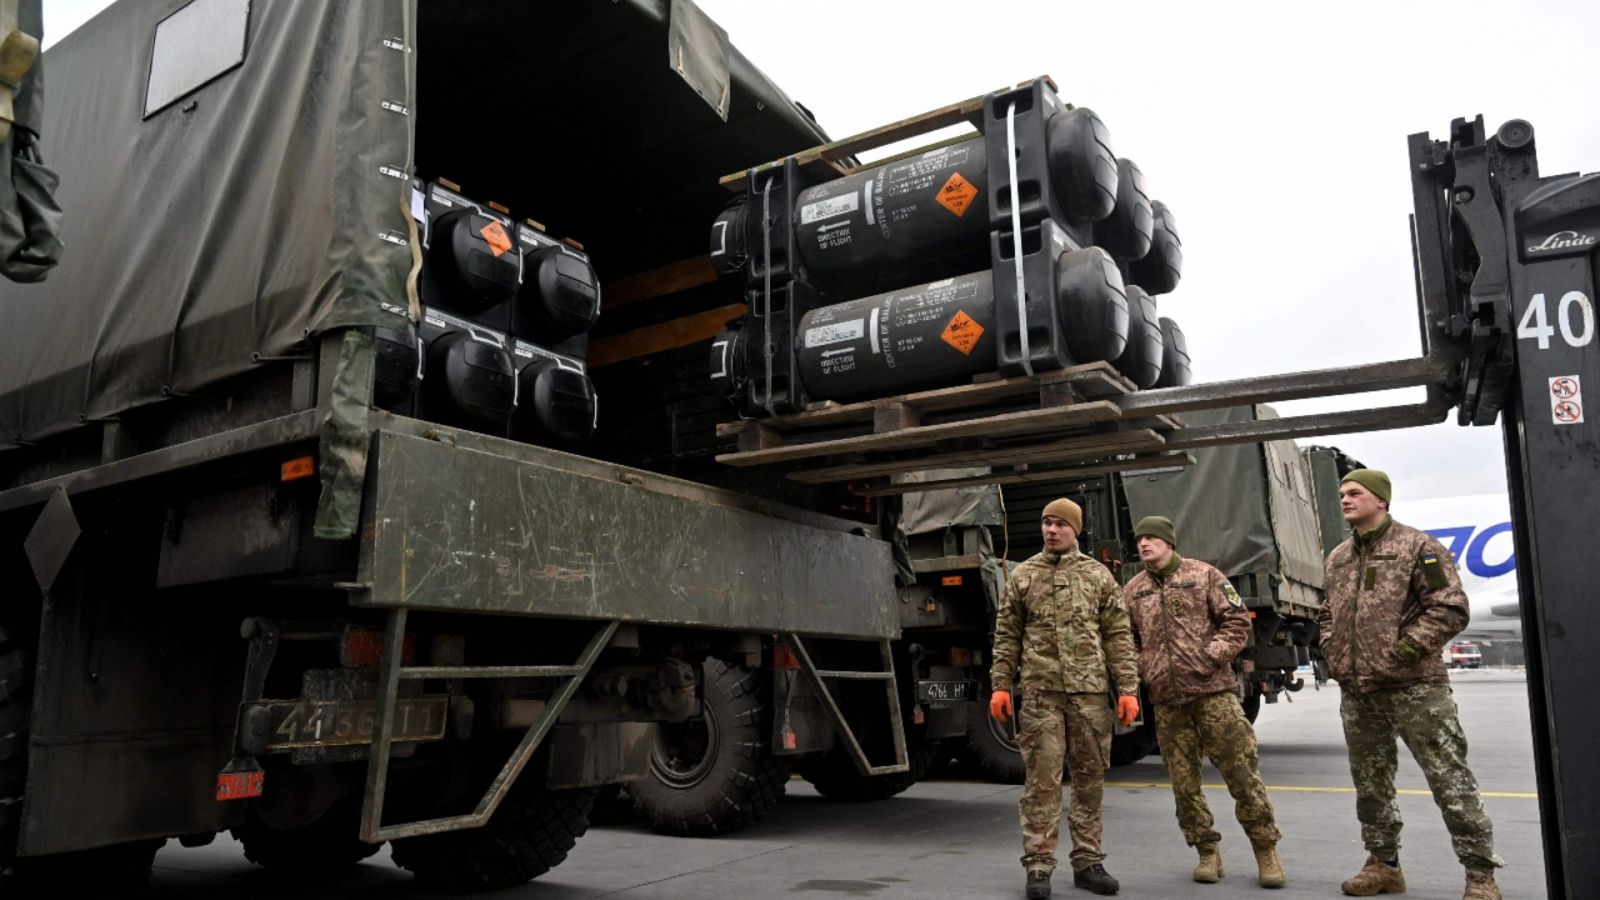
[(1566, 400)]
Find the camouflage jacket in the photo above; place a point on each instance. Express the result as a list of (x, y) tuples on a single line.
[(1190, 624), (1062, 618), (1396, 582)]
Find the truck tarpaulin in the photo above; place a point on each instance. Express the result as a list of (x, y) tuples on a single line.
[(1233, 507), (228, 199)]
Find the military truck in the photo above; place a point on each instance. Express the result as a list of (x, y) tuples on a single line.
[(311, 526)]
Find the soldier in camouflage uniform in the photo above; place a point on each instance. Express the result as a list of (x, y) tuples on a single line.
[(1394, 600), (1190, 624), (1061, 617)]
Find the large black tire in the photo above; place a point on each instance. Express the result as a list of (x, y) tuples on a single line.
[(530, 834), (993, 746), (715, 773), (835, 776), (16, 692), (327, 845)]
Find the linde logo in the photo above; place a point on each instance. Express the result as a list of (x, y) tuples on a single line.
[(1563, 240)]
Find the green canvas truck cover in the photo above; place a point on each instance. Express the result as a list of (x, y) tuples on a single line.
[(226, 199), (1246, 508)]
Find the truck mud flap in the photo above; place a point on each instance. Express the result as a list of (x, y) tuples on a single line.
[(820, 680), (394, 671)]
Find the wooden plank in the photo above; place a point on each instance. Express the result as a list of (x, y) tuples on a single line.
[(759, 438), (867, 140), (969, 110), (1099, 375), (1023, 422), (668, 279), (668, 335), (895, 416), (1127, 465), (1081, 447)]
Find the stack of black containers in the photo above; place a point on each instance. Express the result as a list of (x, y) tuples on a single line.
[(506, 314), (906, 276)]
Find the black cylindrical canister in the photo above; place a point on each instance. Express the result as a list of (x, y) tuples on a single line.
[(1175, 368), (922, 217), (1141, 360), (942, 333), (472, 259), (913, 215), (559, 297), (1159, 270), (1126, 233), (397, 366), (924, 336), (554, 403), (468, 381)]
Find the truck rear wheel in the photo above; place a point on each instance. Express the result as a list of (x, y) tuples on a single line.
[(529, 835), (835, 776), (327, 845), (714, 773), (993, 745)]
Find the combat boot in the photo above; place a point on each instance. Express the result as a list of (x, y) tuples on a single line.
[(1038, 886), (1481, 886), (1095, 879), (1268, 865), (1376, 877), (1209, 871)]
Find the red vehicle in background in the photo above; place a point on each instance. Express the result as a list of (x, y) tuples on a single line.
[(1464, 655)]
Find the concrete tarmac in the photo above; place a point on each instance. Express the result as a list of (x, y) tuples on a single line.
[(960, 839)]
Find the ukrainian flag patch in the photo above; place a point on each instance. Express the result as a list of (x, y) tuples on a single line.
[(1432, 572), (1233, 595)]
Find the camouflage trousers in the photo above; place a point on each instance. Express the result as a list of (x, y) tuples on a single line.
[(1074, 729), (1425, 717), (1214, 726)]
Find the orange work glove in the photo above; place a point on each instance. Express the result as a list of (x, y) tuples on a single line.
[(1127, 710), (1000, 705)]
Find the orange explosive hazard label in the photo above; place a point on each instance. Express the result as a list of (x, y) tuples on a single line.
[(496, 235), (962, 333), (957, 194)]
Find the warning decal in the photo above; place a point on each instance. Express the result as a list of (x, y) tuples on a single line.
[(962, 333), (957, 194), (1566, 400), (495, 234)]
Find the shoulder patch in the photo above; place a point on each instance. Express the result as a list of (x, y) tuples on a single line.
[(1433, 570), (1233, 595)]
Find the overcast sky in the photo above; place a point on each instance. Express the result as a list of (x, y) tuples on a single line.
[(1276, 132)]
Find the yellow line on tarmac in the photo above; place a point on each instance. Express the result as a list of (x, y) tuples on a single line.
[(1311, 789)]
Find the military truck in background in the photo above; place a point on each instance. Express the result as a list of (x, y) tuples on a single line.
[(312, 527)]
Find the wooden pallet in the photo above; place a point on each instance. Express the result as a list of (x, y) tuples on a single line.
[(1016, 425)]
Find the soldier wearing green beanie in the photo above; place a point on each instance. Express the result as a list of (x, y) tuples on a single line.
[(1191, 623), (1394, 600)]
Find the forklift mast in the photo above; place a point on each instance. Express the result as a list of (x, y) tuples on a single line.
[(1512, 257)]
